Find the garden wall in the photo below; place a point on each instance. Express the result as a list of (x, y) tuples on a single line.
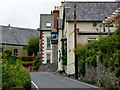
[(100, 75), (48, 68)]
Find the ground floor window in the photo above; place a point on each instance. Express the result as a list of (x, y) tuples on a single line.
[(92, 39), (16, 52), (48, 58), (1, 49)]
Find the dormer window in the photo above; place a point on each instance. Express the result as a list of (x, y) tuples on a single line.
[(48, 25)]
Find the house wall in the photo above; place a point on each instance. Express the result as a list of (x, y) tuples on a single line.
[(21, 51), (83, 39), (47, 34), (60, 66)]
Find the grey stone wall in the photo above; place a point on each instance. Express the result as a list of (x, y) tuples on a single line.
[(48, 68), (100, 75), (55, 53)]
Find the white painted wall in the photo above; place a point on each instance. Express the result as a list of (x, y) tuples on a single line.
[(47, 34)]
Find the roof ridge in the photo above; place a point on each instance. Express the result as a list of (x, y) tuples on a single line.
[(17, 27), (93, 1)]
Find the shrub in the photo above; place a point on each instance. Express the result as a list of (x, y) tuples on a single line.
[(112, 69), (91, 61), (80, 50), (36, 64), (6, 54), (117, 72), (81, 67), (117, 31), (105, 63), (108, 50), (100, 55), (15, 76)]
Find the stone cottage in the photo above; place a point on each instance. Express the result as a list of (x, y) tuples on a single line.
[(15, 38)]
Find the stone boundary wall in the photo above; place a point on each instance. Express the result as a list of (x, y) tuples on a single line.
[(48, 67), (100, 75)]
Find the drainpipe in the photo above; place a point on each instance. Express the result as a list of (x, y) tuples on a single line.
[(75, 30)]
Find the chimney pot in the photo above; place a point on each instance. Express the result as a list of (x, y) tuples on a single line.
[(62, 3), (55, 7)]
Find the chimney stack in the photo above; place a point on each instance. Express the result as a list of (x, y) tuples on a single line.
[(62, 3), (56, 14)]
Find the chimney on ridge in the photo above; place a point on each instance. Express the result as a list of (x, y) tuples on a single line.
[(56, 14)]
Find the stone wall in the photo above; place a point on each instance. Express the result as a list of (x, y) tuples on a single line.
[(55, 53), (48, 68), (100, 75)]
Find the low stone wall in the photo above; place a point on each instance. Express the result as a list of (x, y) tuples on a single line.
[(48, 68), (100, 75)]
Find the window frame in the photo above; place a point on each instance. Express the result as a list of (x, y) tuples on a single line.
[(90, 39), (48, 24), (48, 44), (48, 61), (16, 52)]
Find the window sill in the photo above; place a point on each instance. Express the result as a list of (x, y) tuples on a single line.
[(48, 49)]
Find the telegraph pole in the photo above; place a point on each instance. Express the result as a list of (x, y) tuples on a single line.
[(75, 32)]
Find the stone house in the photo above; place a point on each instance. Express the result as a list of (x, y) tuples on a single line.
[(15, 38), (89, 25), (48, 25)]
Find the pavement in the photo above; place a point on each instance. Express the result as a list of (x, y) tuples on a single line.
[(42, 80)]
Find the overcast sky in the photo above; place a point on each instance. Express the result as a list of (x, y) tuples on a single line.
[(26, 13)]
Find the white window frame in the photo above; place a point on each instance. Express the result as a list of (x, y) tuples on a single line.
[(48, 43), (48, 25), (90, 39), (49, 58), (16, 53)]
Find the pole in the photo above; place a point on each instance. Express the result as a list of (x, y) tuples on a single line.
[(75, 30), (108, 30)]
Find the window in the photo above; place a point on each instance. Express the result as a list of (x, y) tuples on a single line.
[(48, 58), (94, 24), (48, 25), (92, 39), (48, 42), (15, 52), (1, 49)]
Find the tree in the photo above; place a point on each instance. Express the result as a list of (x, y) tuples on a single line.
[(33, 46)]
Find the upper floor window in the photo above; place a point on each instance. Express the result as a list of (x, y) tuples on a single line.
[(48, 42), (94, 24), (48, 25), (16, 52)]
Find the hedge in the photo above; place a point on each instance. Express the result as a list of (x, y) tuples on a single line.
[(14, 76)]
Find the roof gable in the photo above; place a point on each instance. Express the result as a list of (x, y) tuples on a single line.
[(46, 18)]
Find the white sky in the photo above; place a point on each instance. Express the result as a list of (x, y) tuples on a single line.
[(26, 13)]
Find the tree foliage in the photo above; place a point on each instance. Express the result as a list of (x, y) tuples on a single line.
[(33, 46)]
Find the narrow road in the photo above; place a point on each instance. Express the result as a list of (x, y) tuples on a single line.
[(49, 80)]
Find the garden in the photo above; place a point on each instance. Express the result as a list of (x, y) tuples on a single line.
[(106, 48)]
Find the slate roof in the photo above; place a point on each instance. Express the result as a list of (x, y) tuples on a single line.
[(45, 18), (90, 11), (17, 36)]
